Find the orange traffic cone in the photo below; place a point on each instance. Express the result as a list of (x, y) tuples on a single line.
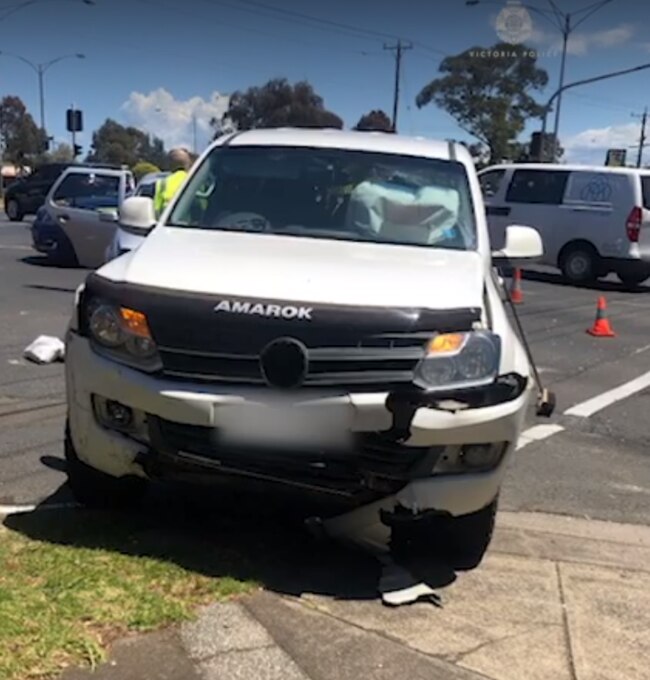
[(516, 294), (601, 327)]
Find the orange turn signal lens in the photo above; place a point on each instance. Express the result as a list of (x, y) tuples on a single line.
[(446, 343), (135, 322)]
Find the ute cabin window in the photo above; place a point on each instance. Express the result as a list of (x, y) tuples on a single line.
[(490, 182), (537, 186), (88, 192)]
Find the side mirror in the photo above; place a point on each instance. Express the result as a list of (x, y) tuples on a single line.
[(137, 214), (522, 243), (107, 215)]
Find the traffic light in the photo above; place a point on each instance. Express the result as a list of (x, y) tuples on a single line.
[(74, 120), (77, 150), (45, 145)]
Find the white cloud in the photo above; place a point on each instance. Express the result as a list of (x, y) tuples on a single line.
[(161, 114), (583, 42), (591, 145)]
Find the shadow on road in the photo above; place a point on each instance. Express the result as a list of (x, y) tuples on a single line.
[(53, 463), (603, 286), (232, 535), (56, 289), (45, 261)]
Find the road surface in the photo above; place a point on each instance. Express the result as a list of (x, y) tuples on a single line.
[(595, 464)]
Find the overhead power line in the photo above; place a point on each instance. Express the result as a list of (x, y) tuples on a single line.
[(325, 24)]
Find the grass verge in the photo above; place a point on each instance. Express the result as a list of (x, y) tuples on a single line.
[(70, 585)]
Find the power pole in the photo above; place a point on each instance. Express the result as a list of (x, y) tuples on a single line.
[(642, 140), (398, 49)]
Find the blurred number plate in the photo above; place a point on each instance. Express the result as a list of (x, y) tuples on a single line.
[(285, 424)]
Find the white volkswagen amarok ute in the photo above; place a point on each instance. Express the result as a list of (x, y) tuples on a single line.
[(317, 309)]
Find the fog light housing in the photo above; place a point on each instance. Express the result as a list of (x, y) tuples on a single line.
[(120, 416), (113, 415), (481, 456)]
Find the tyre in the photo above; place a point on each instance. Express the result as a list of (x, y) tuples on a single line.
[(466, 539), (579, 264), (14, 211), (632, 279), (64, 255), (459, 542), (96, 489)]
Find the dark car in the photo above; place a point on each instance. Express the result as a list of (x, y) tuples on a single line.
[(26, 195)]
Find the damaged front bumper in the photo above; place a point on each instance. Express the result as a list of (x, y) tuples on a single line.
[(410, 452)]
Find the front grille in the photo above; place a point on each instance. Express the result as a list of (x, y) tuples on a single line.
[(379, 361), (375, 456)]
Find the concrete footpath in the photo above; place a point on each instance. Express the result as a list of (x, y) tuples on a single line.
[(556, 598)]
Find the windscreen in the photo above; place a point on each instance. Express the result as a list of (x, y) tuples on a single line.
[(330, 193)]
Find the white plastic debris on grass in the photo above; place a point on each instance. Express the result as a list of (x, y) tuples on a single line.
[(45, 350)]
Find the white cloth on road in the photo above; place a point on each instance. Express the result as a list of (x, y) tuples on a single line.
[(45, 350)]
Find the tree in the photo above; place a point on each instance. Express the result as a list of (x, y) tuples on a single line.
[(61, 153), (276, 104), (487, 91), (144, 168), (23, 141), (119, 145), (375, 120)]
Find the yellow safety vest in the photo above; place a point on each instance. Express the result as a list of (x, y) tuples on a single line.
[(166, 189)]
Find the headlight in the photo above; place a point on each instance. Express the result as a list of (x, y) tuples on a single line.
[(459, 360), (106, 327), (122, 334)]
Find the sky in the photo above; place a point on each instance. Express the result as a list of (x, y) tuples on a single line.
[(160, 64)]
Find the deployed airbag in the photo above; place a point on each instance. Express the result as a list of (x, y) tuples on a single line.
[(404, 213)]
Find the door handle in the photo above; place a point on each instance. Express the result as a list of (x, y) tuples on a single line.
[(497, 211)]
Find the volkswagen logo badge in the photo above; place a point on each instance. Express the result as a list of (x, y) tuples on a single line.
[(284, 363)]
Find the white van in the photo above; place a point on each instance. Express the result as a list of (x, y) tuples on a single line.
[(590, 218), (317, 310)]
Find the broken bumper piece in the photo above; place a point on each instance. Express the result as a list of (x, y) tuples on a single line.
[(416, 458)]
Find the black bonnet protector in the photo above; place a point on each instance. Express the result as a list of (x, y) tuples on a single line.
[(224, 323), (236, 326)]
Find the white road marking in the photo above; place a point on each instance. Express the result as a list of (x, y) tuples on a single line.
[(15, 248), (537, 433), (591, 406), (632, 488), (6, 510), (641, 350)]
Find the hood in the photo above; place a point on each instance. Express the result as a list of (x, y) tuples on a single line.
[(126, 240), (302, 269)]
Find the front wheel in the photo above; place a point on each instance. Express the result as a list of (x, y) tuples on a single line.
[(579, 265), (14, 213), (459, 542), (467, 538), (96, 489)]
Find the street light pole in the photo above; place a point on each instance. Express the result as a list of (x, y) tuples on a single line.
[(41, 96), (586, 81), (40, 70), (564, 22), (565, 46)]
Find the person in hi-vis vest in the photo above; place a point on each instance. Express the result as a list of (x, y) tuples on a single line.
[(166, 188)]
